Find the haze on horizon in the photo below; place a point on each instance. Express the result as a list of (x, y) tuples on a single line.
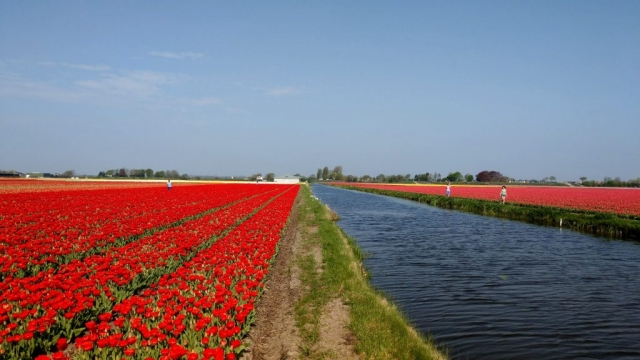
[(530, 89)]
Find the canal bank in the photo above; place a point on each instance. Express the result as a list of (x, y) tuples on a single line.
[(602, 224), (490, 288), (318, 302)]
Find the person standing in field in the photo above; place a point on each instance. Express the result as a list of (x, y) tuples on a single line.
[(448, 188), (168, 184), (503, 194)]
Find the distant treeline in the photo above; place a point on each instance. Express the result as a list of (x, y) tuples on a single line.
[(612, 183)]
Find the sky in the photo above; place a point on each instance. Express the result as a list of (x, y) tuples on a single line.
[(529, 88)]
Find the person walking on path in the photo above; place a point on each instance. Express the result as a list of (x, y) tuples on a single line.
[(448, 188), (169, 185), (503, 194)]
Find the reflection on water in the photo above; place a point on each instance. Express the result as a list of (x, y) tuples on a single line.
[(491, 288)]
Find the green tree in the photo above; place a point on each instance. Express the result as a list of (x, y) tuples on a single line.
[(468, 178), (325, 173), (68, 174), (583, 178), (160, 174), (454, 177), (270, 177), (148, 173), (319, 174)]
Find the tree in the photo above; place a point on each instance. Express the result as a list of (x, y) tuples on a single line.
[(270, 177), (552, 178), (319, 174), (160, 174), (365, 178), (338, 169), (122, 173), (583, 178), (454, 177), (148, 173), (172, 174), (491, 176), (110, 173), (468, 178), (68, 174), (325, 173), (136, 173)]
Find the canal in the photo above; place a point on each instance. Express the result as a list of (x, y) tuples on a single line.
[(490, 288)]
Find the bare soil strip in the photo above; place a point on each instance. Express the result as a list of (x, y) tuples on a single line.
[(274, 334)]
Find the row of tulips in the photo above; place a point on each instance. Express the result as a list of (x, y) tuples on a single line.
[(42, 230), (200, 311), (622, 201), (38, 310)]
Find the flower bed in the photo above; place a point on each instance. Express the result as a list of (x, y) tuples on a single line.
[(37, 311), (621, 201)]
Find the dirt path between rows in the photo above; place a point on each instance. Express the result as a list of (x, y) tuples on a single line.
[(274, 335)]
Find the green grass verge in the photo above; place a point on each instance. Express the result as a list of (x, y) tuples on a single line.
[(603, 224), (382, 331)]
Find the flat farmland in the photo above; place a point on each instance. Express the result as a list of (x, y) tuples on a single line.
[(132, 270), (621, 201)]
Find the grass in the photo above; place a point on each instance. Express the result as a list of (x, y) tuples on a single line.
[(382, 331)]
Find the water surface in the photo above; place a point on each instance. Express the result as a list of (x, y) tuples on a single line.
[(492, 288)]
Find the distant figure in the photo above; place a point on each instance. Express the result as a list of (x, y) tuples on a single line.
[(503, 194), (448, 188), (168, 184)]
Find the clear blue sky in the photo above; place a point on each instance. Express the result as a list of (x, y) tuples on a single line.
[(527, 88)]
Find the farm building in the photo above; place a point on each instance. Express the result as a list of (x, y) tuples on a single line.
[(287, 179)]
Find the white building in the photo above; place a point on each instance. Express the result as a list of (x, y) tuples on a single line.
[(287, 179)]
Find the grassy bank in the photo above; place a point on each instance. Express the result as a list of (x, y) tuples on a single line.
[(603, 224), (380, 329)]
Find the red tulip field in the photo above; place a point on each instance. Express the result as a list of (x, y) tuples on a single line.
[(105, 270), (624, 201)]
